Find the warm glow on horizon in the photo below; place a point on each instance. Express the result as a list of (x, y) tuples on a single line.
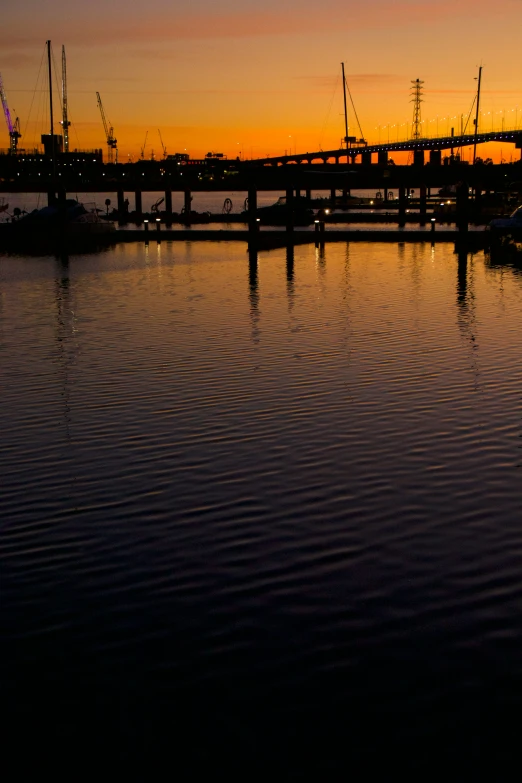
[(248, 83)]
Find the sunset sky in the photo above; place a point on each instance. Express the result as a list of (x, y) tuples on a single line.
[(254, 79)]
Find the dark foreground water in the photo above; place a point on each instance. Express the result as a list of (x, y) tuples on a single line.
[(262, 517)]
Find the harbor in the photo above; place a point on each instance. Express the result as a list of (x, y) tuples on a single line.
[(260, 340)]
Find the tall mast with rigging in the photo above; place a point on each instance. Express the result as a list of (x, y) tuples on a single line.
[(65, 120), (48, 43), (52, 137), (477, 117), (345, 110)]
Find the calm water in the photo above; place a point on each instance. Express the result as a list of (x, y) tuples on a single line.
[(265, 513)]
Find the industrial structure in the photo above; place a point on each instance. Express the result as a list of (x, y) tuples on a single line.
[(163, 147), (416, 93), (13, 127), (112, 143)]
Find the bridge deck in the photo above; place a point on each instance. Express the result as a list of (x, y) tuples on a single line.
[(411, 145)]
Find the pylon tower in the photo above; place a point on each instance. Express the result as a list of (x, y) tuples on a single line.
[(416, 93)]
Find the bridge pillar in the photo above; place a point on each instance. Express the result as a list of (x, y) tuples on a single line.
[(123, 207), (137, 199), (418, 157), (402, 206), (382, 158), (366, 158), (308, 195), (332, 197), (187, 202), (252, 208), (435, 157), (422, 205), (462, 206), (477, 201), (168, 202), (290, 209)]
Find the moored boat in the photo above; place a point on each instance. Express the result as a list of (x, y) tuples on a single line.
[(63, 224)]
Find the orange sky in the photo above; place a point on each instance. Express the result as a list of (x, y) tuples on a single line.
[(248, 82)]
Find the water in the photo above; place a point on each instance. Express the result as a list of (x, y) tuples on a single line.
[(263, 514), (201, 201)]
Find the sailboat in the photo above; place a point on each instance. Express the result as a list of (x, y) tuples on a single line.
[(64, 222)]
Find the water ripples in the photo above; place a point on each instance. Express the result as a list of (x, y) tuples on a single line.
[(274, 474)]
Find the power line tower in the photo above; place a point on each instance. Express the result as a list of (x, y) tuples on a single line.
[(416, 93)]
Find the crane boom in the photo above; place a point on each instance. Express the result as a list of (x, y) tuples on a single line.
[(13, 128), (65, 121), (144, 145), (109, 133), (162, 145)]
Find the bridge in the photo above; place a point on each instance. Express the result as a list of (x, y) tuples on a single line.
[(419, 147)]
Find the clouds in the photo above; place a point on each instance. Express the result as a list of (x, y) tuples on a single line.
[(272, 68), (360, 81), (102, 24)]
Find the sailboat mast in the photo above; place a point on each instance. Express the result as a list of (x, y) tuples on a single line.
[(345, 110), (50, 87), (52, 139), (477, 116), (65, 119)]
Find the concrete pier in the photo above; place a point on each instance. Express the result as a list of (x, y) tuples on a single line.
[(290, 209), (168, 202), (252, 208), (422, 204), (402, 206), (462, 203), (138, 202)]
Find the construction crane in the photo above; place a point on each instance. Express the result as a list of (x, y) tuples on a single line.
[(14, 128), (109, 134), (144, 145), (162, 145), (65, 122)]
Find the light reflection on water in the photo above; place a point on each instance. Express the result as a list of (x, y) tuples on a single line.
[(272, 496)]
